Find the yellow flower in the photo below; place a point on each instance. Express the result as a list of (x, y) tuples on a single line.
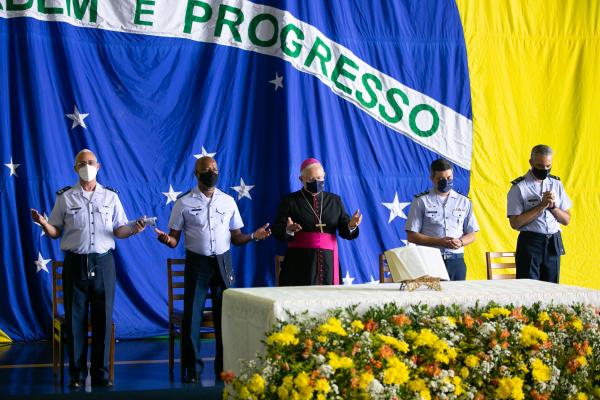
[(399, 345), (582, 361), (510, 388), (577, 324), (322, 338), (540, 371), (357, 326), (464, 372), (365, 379), (457, 382), (397, 372), (302, 380), (471, 361), (338, 362), (333, 325), (496, 312), (523, 367), (286, 337), (425, 395), (244, 393), (426, 338), (321, 396), (530, 336), (322, 386), (581, 396), (417, 385), (256, 384), (543, 317)]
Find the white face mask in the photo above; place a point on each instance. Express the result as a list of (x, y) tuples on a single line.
[(88, 173)]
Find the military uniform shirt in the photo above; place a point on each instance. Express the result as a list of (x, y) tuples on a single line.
[(87, 225), (526, 193), (430, 216), (206, 221)]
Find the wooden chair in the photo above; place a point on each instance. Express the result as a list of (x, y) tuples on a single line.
[(278, 262), (58, 327), (175, 272), (498, 261), (384, 270)]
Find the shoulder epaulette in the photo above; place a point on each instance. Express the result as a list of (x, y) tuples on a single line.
[(519, 179), (554, 177), (422, 194), (61, 191), (111, 189), (463, 195), (183, 194)]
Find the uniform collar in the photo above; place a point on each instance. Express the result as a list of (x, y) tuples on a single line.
[(453, 194), (195, 192), (79, 190)]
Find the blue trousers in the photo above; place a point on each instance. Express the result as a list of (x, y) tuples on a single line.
[(457, 269), (538, 256), (201, 273), (88, 286)]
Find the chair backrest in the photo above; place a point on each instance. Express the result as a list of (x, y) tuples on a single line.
[(501, 265), (384, 270), (175, 272), (278, 262), (57, 289)]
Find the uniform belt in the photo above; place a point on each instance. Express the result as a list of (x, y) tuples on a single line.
[(453, 256), (97, 255), (538, 235)]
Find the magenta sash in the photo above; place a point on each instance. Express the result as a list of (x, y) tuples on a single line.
[(318, 240)]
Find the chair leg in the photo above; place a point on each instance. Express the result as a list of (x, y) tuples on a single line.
[(61, 357), (181, 369), (111, 360), (171, 353), (54, 354)]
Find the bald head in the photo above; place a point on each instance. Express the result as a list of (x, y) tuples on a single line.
[(85, 155), (207, 173)]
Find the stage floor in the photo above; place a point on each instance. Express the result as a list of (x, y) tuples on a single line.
[(141, 371)]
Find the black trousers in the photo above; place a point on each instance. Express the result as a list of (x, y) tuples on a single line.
[(538, 256), (89, 293), (457, 269), (201, 273)]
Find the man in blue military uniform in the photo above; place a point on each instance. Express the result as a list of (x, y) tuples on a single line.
[(210, 221), (537, 205), (443, 218), (88, 217)]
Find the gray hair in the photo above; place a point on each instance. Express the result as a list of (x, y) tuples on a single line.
[(83, 152), (542, 150)]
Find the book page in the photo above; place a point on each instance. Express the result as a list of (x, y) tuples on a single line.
[(412, 262)]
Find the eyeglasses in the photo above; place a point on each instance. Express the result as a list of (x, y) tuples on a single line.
[(84, 163)]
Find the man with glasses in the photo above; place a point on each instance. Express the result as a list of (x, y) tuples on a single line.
[(536, 207), (87, 217), (309, 221)]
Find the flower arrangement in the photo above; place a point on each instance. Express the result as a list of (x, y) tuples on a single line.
[(443, 352)]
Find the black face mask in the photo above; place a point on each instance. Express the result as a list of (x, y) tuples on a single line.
[(208, 178), (539, 173), (444, 185), (315, 186)]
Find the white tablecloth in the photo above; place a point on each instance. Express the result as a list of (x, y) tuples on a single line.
[(249, 313)]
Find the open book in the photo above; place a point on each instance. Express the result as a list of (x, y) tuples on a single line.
[(413, 262)]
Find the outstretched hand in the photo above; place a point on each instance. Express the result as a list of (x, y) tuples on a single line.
[(263, 232)]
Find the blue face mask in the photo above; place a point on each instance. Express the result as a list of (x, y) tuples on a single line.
[(444, 185), (315, 186)]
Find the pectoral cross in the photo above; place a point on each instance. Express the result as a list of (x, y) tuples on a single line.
[(320, 226)]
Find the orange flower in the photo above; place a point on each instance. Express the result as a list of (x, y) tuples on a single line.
[(371, 325), (386, 351), (538, 396), (479, 396), (504, 345), (504, 334), (322, 350), (356, 348), (308, 344), (401, 320), (354, 382), (227, 376), (432, 369), (468, 321), (493, 343)]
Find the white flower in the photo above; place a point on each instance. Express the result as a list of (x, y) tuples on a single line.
[(375, 387)]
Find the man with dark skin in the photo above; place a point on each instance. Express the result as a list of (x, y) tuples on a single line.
[(211, 221)]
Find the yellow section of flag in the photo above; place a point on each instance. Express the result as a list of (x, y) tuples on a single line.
[(535, 79), (4, 337)]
